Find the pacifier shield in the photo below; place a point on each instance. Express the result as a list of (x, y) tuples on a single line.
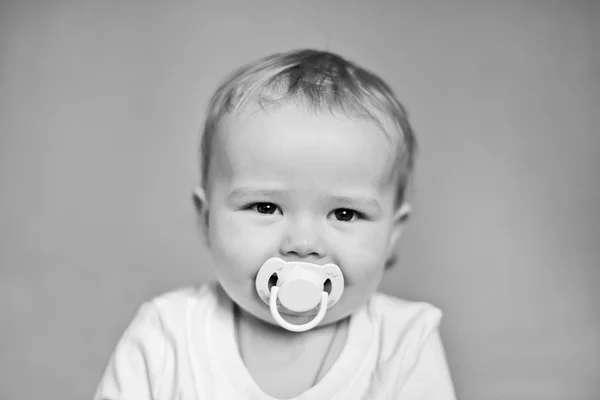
[(300, 287)]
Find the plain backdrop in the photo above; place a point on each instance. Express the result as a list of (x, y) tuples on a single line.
[(101, 104)]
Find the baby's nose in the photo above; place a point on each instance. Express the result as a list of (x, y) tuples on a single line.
[(303, 242), (302, 248)]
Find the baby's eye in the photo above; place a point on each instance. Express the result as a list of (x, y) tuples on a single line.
[(346, 214), (264, 208)]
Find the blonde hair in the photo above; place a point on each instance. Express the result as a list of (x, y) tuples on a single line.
[(320, 81)]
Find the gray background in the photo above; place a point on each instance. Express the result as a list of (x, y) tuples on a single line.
[(101, 103)]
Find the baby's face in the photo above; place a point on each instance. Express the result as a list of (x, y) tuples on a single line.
[(302, 187)]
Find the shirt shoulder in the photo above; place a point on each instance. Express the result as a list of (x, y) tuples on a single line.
[(177, 300), (171, 310), (402, 320), (153, 347), (398, 312), (403, 328), (411, 357)]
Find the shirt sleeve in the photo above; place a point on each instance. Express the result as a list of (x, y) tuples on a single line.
[(430, 380), (135, 367)]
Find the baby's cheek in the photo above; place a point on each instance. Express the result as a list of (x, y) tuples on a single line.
[(238, 246), (362, 256), (361, 271)]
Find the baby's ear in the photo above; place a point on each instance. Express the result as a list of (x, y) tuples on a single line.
[(399, 221), (201, 204)]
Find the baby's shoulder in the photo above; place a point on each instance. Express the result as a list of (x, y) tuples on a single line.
[(177, 299), (386, 305), (400, 318), (170, 311)]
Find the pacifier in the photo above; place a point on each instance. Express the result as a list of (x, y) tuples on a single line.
[(299, 287)]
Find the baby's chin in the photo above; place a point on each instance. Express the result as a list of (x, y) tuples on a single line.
[(264, 313)]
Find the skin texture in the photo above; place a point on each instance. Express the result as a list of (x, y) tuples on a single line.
[(273, 185)]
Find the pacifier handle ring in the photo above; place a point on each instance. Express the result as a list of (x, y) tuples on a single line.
[(292, 327)]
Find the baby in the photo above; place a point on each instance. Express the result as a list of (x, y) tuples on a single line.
[(305, 163)]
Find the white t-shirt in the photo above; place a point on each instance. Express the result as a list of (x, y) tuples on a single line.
[(182, 346)]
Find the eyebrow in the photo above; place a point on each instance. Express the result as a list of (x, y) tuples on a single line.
[(356, 201), (245, 191), (348, 201)]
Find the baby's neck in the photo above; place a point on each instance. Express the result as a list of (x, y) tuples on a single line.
[(275, 342), (285, 364)]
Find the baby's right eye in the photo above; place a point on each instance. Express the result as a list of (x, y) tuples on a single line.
[(264, 208)]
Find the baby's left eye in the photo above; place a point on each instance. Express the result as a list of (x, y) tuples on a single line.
[(346, 215)]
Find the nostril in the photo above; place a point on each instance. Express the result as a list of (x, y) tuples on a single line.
[(273, 280), (327, 286)]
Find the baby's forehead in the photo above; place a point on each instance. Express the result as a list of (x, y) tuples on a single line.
[(289, 137), (292, 123)]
